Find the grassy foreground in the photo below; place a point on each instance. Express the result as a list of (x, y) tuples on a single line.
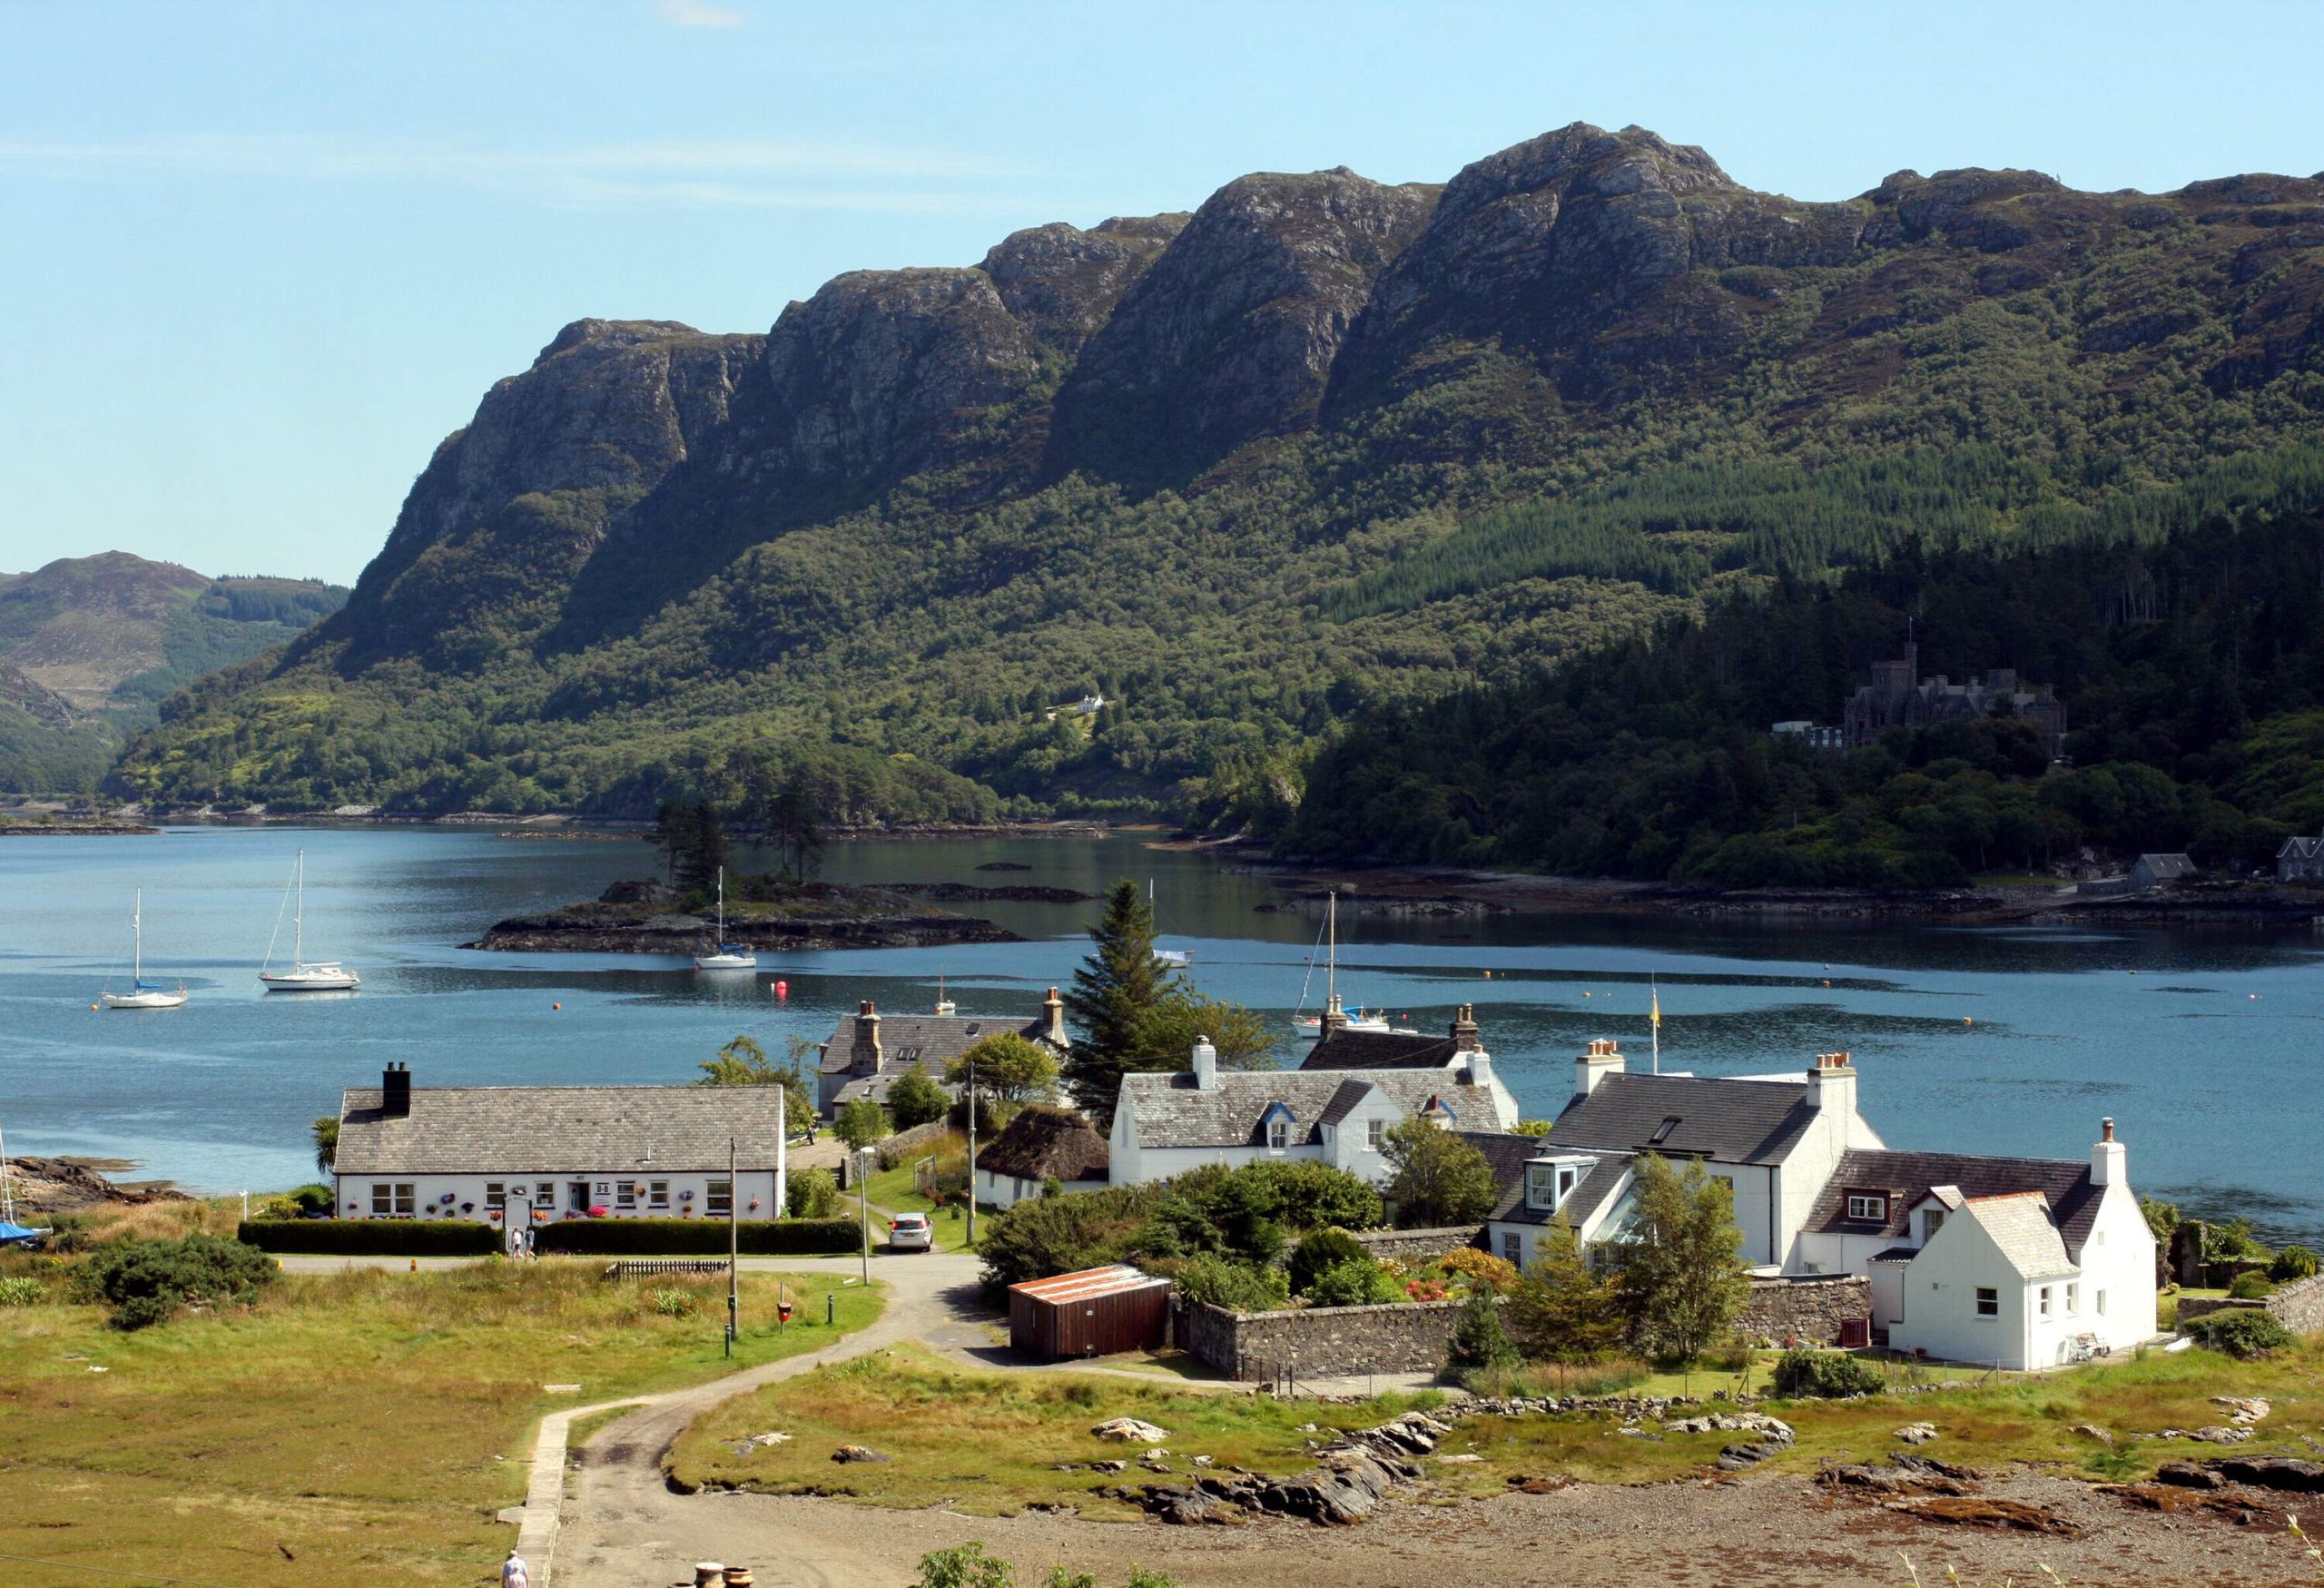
[(990, 1443), (360, 1428), (986, 1443)]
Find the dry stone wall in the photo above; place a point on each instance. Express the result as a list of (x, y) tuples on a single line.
[(1319, 1342), (1810, 1310), (1419, 1246), (2297, 1306)]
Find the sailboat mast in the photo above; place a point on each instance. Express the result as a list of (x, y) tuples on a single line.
[(1331, 954), (299, 910), (137, 941), (721, 906)]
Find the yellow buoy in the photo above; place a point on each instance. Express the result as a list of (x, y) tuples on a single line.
[(93, 1009), (1967, 1021)]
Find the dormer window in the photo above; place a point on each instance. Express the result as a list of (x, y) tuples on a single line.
[(1549, 1181), (1931, 1220), (1868, 1207), (1278, 1133)]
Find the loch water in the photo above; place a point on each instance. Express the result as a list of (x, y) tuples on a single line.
[(2199, 1043)]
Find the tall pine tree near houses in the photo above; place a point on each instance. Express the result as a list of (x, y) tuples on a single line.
[(1117, 990)]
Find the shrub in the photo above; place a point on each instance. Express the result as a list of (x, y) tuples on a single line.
[(1058, 1235), (1325, 1249), (2251, 1288), (1479, 1343), (1806, 1373), (915, 1100), (656, 1237), (148, 1280), (19, 1290), (1482, 1270), (372, 1237), (1223, 1282), (1303, 1194), (813, 1193), (2294, 1262), (671, 1303), (2242, 1332), (1359, 1282)]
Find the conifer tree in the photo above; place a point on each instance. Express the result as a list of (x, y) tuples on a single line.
[(1117, 990)]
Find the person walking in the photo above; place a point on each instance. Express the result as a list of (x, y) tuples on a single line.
[(513, 1573)]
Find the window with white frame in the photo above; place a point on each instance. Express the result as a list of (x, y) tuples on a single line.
[(2043, 1301), (1870, 1206), (1278, 1133), (2098, 1303), (626, 1194), (1569, 1177), (1931, 1220), (657, 1193), (2074, 1299), (406, 1197), (1988, 1301), (1513, 1248), (382, 1198), (1541, 1186), (719, 1198), (545, 1194), (1376, 1134), (495, 1193)]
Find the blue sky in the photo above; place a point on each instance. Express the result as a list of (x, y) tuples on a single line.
[(260, 258)]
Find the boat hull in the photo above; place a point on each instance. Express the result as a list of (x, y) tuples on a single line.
[(141, 1000), (313, 981), (725, 961)]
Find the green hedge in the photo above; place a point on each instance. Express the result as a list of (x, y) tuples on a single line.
[(660, 1238), (373, 1238)]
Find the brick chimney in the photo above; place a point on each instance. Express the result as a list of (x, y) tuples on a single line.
[(1465, 1030), (395, 1091), (1831, 1084), (1604, 1059), (863, 1057), (2109, 1159), (1053, 1018)]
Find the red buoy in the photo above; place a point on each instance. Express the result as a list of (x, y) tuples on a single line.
[(783, 988)]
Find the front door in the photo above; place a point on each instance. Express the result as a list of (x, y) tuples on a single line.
[(577, 1195)]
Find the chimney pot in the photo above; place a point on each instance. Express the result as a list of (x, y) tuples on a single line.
[(2106, 1129)]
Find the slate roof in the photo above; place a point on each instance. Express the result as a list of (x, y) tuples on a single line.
[(1343, 1048), (877, 1087), (930, 1040), (1726, 1121), (2020, 1224), (1171, 1112), (1509, 1155), (2166, 868), (1909, 1177), (557, 1129), (1042, 1142)]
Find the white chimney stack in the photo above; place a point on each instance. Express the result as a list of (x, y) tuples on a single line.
[(2109, 1159), (1206, 1065), (1832, 1084), (1604, 1059), (1479, 1068)]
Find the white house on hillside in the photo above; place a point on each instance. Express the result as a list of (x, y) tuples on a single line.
[(2006, 1260), (1166, 1124), (503, 1154)]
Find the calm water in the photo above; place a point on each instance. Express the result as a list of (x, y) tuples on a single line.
[(2202, 1046)]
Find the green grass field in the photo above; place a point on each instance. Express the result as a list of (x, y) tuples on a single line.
[(359, 1428), (892, 1189), (990, 1443)]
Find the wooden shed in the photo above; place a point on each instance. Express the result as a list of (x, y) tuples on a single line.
[(1094, 1312)]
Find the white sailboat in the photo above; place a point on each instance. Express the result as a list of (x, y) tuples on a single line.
[(303, 976), (1333, 1015), (725, 956), (141, 993)]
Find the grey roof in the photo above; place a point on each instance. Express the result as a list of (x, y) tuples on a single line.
[(930, 1040), (1044, 1143), (557, 1129), (1909, 1177), (2300, 848), (1342, 1048), (877, 1087), (1171, 1112), (2020, 1224), (1726, 1121), (1509, 1154), (2166, 867)]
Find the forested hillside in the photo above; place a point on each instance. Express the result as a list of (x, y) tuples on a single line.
[(90, 647), (1320, 445), (2192, 671)]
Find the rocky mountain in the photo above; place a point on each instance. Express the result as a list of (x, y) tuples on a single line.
[(1322, 442), (89, 648)]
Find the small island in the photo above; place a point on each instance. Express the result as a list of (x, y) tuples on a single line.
[(645, 917)]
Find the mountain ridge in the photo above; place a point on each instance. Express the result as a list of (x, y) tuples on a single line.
[(1148, 459)]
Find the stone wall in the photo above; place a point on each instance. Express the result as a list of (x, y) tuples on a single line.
[(1319, 1342), (1419, 1246), (1809, 1310), (2297, 1306)]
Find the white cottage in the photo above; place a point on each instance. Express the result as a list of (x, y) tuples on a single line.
[(2006, 1260), (499, 1154), (1457, 1056), (1166, 1124)]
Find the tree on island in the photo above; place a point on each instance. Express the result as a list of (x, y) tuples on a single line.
[(780, 812), (692, 837)]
